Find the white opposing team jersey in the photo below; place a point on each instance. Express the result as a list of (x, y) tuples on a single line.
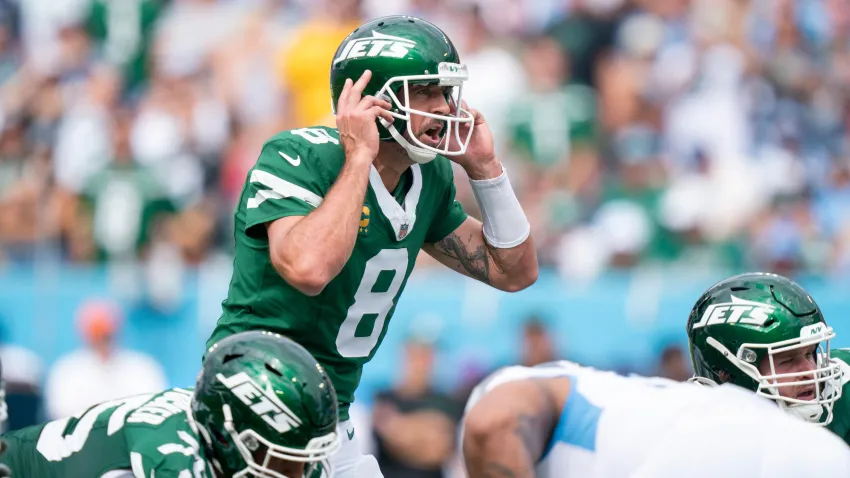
[(617, 426)]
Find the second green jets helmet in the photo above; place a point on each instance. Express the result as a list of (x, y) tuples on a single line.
[(262, 398), (401, 51), (738, 322)]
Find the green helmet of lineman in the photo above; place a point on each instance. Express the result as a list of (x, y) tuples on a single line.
[(262, 398), (742, 321), (401, 51)]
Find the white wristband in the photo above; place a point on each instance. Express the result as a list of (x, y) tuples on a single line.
[(505, 224)]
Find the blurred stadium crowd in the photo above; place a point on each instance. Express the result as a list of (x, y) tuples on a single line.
[(686, 134), (683, 132)]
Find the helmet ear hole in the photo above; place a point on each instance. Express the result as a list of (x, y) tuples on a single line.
[(734, 346)]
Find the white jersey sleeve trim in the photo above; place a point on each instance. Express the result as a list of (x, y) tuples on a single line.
[(137, 463), (279, 189), (119, 474)]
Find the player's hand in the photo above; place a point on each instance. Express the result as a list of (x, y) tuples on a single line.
[(383, 411), (480, 160), (384, 415), (356, 120)]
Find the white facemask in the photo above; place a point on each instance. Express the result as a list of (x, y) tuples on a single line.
[(448, 74)]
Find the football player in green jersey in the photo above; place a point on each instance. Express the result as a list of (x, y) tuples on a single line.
[(765, 333), (330, 221), (262, 407)]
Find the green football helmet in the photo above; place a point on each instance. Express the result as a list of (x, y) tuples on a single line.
[(738, 322), (262, 398), (401, 51)]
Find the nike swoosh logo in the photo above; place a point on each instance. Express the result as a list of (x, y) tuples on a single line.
[(294, 162), (350, 434)]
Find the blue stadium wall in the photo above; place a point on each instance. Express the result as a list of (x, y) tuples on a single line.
[(618, 321)]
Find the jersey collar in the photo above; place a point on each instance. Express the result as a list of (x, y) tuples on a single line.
[(401, 217)]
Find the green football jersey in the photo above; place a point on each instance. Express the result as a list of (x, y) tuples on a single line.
[(344, 325), (841, 409), (146, 435)]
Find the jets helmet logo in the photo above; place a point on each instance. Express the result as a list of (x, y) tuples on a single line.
[(264, 403), (379, 44), (739, 311)]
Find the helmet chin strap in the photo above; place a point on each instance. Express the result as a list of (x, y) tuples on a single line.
[(809, 413), (417, 154), (702, 381)]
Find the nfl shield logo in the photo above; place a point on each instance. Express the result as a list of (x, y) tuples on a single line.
[(402, 232)]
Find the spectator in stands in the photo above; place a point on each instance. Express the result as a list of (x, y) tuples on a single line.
[(496, 77), (126, 42), (124, 200), (103, 370), (414, 424), (674, 364), (304, 62), (537, 345)]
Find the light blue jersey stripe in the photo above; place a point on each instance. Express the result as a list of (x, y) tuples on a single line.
[(578, 423)]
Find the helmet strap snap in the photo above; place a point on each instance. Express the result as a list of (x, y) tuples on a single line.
[(417, 154)]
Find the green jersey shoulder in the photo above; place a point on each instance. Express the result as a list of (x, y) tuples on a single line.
[(297, 168), (344, 325), (148, 435), (841, 409)]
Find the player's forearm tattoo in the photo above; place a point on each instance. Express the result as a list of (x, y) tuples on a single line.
[(535, 430), (476, 262), (532, 432)]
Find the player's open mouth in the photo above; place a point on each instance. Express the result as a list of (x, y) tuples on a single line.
[(806, 395), (431, 136)]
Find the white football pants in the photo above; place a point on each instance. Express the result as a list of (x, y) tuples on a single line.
[(349, 461)]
